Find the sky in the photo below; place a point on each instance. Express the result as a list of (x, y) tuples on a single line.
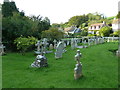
[(60, 11)]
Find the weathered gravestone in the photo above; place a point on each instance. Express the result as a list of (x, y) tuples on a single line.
[(118, 51), (38, 44), (51, 46), (40, 61), (59, 50), (73, 44), (1, 49), (55, 43), (78, 66)]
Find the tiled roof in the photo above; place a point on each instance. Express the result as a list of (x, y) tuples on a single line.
[(69, 29), (96, 24)]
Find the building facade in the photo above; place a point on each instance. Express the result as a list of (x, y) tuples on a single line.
[(94, 28), (116, 25)]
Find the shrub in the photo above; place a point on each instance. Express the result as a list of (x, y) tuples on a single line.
[(24, 43)]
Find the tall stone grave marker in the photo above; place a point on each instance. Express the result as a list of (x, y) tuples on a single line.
[(78, 66), (59, 50)]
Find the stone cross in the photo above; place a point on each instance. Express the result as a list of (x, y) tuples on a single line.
[(38, 46)]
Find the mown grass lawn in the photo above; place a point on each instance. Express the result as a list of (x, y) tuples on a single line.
[(100, 69)]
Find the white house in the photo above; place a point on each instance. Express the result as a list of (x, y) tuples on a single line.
[(116, 25), (96, 27)]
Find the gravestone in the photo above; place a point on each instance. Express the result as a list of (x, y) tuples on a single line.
[(51, 46), (38, 44), (72, 43), (108, 39), (89, 42), (64, 50), (118, 51), (59, 50), (76, 43), (68, 42), (40, 61), (55, 43), (113, 39), (1, 49), (78, 66), (44, 44)]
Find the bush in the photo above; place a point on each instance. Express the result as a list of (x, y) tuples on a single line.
[(24, 43), (117, 33), (105, 31)]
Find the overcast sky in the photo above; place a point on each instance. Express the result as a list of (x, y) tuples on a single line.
[(61, 10)]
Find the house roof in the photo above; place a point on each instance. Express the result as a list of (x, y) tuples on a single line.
[(116, 21), (69, 29), (96, 24)]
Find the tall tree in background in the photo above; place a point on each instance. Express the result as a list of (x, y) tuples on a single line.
[(8, 8), (16, 24)]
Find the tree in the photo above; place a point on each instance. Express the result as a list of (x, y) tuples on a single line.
[(105, 31), (8, 8), (76, 20), (52, 33)]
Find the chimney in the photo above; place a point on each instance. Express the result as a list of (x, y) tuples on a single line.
[(104, 22)]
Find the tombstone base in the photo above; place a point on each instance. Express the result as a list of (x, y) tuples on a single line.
[(57, 58), (2, 54), (77, 76), (37, 52), (79, 46)]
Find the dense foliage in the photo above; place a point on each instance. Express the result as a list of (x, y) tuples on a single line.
[(24, 43), (52, 33), (15, 24)]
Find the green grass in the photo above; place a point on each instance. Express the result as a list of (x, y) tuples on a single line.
[(100, 69)]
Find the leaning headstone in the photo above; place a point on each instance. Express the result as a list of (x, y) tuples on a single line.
[(78, 66), (59, 50), (40, 61)]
